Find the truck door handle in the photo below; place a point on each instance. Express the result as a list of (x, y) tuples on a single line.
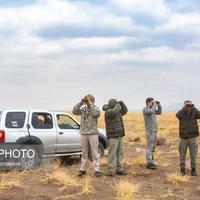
[(61, 133)]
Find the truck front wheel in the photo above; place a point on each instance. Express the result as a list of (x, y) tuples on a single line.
[(100, 152)]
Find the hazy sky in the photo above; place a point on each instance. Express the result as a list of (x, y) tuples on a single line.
[(53, 52)]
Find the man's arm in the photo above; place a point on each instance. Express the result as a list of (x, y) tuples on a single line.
[(180, 113), (105, 107), (95, 111), (111, 113), (76, 109), (124, 108), (159, 111), (197, 113), (149, 111)]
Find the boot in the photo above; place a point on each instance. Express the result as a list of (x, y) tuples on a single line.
[(183, 173), (81, 173), (193, 172)]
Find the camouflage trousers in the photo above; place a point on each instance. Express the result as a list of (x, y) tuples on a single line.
[(193, 148), (90, 142)]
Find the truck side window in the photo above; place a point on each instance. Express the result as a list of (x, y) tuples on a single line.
[(15, 119), (42, 120), (66, 122)]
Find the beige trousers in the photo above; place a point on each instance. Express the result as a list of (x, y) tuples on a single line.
[(87, 142)]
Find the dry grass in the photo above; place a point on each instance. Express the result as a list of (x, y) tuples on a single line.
[(176, 178), (87, 187), (133, 163), (10, 180), (104, 161), (60, 177), (161, 141), (166, 156), (140, 161), (126, 190)]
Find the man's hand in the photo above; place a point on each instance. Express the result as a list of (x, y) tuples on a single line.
[(189, 105), (120, 102), (82, 101), (150, 104)]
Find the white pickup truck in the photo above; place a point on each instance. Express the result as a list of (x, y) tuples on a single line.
[(28, 135)]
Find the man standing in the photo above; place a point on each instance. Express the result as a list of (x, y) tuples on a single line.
[(89, 132), (115, 132), (188, 133), (149, 112)]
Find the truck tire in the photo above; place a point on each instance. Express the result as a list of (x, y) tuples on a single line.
[(100, 152), (29, 159)]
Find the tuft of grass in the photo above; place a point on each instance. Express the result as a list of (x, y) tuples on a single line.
[(132, 139), (58, 162), (126, 190), (176, 178), (140, 161), (87, 186), (137, 139), (168, 194), (161, 141), (61, 178), (10, 180)]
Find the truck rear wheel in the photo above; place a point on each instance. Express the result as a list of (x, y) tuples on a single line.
[(29, 159)]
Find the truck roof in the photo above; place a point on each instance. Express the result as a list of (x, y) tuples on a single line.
[(25, 109), (31, 109)]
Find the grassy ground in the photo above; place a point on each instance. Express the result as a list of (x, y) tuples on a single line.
[(61, 181)]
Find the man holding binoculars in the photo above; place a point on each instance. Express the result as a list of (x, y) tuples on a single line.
[(89, 132), (188, 133), (149, 112)]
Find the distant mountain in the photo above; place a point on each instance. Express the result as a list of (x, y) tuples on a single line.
[(173, 107)]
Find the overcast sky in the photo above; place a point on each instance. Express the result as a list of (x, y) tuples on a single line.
[(53, 52)]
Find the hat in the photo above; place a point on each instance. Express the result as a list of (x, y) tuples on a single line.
[(112, 103), (92, 99)]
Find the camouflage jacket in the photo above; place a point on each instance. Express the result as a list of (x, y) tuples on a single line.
[(89, 118)]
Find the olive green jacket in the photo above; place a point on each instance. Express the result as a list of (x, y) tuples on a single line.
[(89, 118), (188, 126), (114, 120)]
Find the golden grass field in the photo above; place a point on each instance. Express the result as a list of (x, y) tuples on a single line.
[(61, 181)]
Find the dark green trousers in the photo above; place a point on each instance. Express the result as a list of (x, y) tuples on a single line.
[(193, 148), (115, 154)]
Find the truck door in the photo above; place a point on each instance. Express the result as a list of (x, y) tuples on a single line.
[(43, 127), (69, 139)]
